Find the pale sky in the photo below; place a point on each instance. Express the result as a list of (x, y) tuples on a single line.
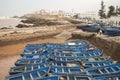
[(20, 7)]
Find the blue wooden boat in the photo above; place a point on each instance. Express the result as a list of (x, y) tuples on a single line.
[(111, 77), (29, 67), (21, 62), (36, 56), (110, 31), (107, 70), (68, 77), (62, 59), (93, 59), (84, 49), (79, 41), (80, 59), (75, 50), (54, 77), (82, 64), (32, 49), (67, 45), (35, 47), (96, 64), (66, 64), (31, 75), (115, 27), (92, 53), (76, 44), (76, 77), (90, 28), (58, 70)]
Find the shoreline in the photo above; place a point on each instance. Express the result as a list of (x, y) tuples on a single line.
[(16, 37), (14, 43)]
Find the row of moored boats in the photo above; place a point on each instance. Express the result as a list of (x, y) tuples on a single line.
[(75, 60)]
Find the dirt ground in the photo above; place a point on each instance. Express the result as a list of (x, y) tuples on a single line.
[(10, 53)]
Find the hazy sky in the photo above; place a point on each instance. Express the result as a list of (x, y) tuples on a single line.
[(20, 7)]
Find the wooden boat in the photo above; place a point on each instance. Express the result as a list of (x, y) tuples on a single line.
[(107, 70), (35, 47), (66, 64), (96, 64), (82, 64), (110, 77), (21, 62), (92, 53), (32, 49), (84, 49), (79, 41), (29, 67), (110, 31), (76, 77), (93, 59), (54, 77), (31, 75), (62, 59), (67, 45), (58, 70), (36, 56), (74, 50), (79, 58), (76, 44), (67, 77)]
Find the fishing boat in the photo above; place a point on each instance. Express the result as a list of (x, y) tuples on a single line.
[(29, 67), (91, 53), (110, 31), (107, 70), (74, 50), (21, 62), (76, 44), (82, 64), (79, 58), (35, 56), (97, 64), (110, 77), (34, 47), (62, 59), (93, 59), (58, 70), (90, 28), (76, 77), (31, 75), (54, 77), (66, 64)]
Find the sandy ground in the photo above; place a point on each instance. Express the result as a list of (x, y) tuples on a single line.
[(11, 53)]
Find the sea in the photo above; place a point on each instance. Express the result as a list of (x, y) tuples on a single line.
[(9, 22)]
